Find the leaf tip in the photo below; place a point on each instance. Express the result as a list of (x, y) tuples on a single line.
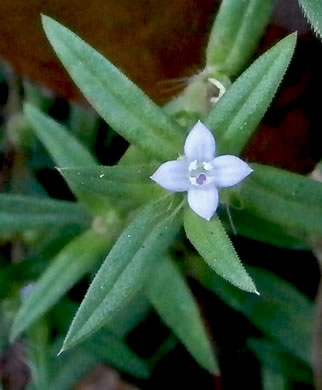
[(14, 333), (62, 349)]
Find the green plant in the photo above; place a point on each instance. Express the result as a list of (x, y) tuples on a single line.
[(121, 215)]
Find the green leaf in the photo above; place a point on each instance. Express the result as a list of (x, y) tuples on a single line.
[(113, 351), (125, 269), (288, 184), (126, 184), (244, 223), (237, 114), (275, 357), (73, 365), (213, 244), (236, 32), (119, 101), (38, 355), (178, 309), (71, 370), (284, 198), (19, 213), (272, 380), (281, 311), (65, 150), (70, 265), (313, 11)]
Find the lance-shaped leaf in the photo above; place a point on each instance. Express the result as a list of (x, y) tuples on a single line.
[(235, 34), (19, 213), (70, 265), (282, 197), (69, 372), (214, 245), (237, 114), (71, 367), (281, 311), (275, 357), (272, 380), (112, 350), (128, 183), (125, 269), (313, 11), (244, 223), (117, 99), (65, 150), (38, 356), (173, 300)]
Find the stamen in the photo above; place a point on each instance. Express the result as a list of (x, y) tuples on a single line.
[(193, 166), (207, 166)]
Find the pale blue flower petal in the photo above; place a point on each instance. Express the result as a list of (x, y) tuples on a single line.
[(229, 170), (173, 176), (203, 202), (200, 144)]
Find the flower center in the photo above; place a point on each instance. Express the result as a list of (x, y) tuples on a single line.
[(200, 173), (201, 178)]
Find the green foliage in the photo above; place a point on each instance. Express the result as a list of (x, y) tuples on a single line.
[(237, 114), (244, 223), (139, 271), (19, 213), (129, 185), (213, 244), (283, 198), (178, 309), (119, 101), (65, 150), (111, 350), (313, 11), (233, 38), (72, 263), (125, 269), (273, 356), (281, 311)]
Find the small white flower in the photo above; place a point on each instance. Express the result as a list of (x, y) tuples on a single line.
[(200, 173)]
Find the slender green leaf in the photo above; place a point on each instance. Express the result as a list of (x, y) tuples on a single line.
[(125, 269), (134, 312), (313, 11), (281, 311), (73, 262), (71, 370), (178, 309), (38, 354), (213, 244), (243, 223), (283, 198), (276, 358), (272, 380), (119, 101), (287, 184), (236, 32), (65, 150), (112, 350), (19, 213), (237, 114), (129, 184)]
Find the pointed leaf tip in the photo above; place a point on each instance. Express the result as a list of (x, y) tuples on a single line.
[(213, 244)]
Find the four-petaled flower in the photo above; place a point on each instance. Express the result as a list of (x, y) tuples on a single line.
[(199, 173)]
